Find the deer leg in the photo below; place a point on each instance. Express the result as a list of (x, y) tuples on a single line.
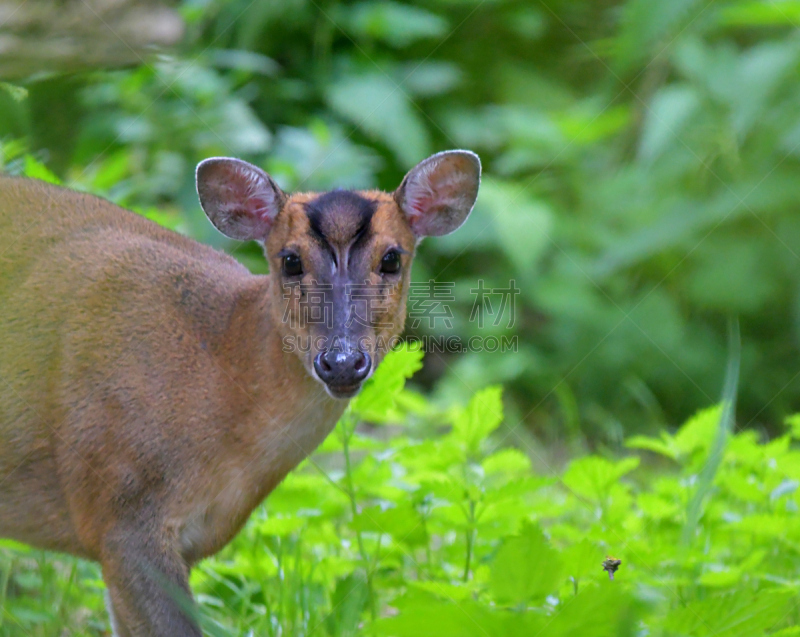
[(148, 584)]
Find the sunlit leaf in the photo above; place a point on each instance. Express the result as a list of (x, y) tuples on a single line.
[(593, 476), (38, 170), (526, 568), (481, 417), (377, 397), (742, 613)]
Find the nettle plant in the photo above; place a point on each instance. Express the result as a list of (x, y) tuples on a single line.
[(411, 520)]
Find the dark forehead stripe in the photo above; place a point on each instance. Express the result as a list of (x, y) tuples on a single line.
[(339, 216)]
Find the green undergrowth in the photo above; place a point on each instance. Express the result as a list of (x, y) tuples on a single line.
[(411, 520)]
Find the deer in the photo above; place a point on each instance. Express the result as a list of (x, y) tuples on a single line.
[(153, 391)]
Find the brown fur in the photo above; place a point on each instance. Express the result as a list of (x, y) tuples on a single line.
[(147, 403)]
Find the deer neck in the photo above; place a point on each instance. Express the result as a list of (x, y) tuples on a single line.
[(289, 413)]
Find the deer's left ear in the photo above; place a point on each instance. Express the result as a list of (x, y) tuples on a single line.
[(240, 199), (437, 195)]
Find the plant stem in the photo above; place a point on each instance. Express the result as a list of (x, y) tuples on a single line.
[(348, 430), (470, 539)]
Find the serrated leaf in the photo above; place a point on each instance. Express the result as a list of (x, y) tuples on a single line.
[(582, 560), (526, 568), (378, 396), (664, 446), (506, 461), (698, 432), (592, 477), (743, 613), (422, 615), (481, 417)]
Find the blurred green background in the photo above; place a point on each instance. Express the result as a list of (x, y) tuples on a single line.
[(640, 187)]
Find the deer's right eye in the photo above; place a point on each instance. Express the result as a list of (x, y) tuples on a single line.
[(292, 265)]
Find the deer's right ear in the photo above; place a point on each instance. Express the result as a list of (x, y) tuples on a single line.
[(240, 199), (437, 195)]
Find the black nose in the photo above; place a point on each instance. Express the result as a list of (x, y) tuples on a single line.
[(342, 368)]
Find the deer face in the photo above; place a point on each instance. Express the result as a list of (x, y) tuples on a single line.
[(340, 261)]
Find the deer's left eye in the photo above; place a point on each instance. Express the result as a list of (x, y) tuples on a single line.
[(390, 264), (292, 265)]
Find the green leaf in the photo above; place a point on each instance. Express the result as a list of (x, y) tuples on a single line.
[(38, 170), (523, 225), (281, 526), (793, 422), (422, 615), (377, 398), (402, 522), (721, 579), (481, 417), (396, 24), (429, 78), (165, 219), (582, 560), (526, 568), (656, 507), (666, 117), (645, 23), (772, 13), (592, 477), (349, 601), (698, 432), (786, 632), (17, 93), (665, 445), (507, 462), (382, 108), (743, 613), (455, 592)]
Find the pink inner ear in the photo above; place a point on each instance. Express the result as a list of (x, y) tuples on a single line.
[(247, 191), (259, 207), (433, 194), (438, 194), (420, 204), (421, 197)]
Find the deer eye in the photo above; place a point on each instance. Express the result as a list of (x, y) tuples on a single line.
[(292, 265), (390, 264)]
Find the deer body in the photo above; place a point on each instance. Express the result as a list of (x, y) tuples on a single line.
[(128, 367), (148, 402)]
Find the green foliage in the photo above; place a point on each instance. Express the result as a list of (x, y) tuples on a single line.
[(640, 187), (37, 170), (429, 526), (640, 174)]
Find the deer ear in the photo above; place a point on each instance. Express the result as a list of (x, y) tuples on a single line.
[(437, 195), (240, 199)]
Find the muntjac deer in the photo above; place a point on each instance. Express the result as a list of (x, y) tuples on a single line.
[(148, 398)]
